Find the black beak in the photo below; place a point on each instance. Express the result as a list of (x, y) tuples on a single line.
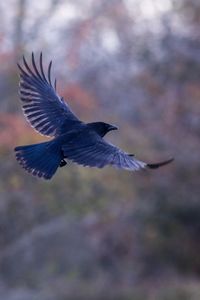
[(113, 127)]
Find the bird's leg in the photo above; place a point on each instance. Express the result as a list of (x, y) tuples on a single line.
[(63, 163)]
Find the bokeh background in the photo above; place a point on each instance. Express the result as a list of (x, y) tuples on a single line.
[(105, 234)]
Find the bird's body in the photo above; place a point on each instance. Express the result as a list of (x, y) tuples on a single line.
[(79, 142)]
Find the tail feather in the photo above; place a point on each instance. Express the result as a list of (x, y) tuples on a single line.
[(41, 160)]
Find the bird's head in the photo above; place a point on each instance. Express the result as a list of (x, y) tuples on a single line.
[(102, 128)]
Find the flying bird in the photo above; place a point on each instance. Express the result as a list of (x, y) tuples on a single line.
[(80, 142)]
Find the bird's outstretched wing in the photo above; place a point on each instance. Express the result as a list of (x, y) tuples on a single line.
[(47, 113), (89, 149)]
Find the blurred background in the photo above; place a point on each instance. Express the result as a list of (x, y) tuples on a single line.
[(105, 234)]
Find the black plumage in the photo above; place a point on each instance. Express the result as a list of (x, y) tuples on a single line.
[(80, 142)]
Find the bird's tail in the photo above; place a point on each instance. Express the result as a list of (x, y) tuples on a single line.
[(41, 160)]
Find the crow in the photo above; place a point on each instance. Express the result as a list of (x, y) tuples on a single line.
[(73, 139)]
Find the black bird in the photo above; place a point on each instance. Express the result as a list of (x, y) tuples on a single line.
[(80, 142)]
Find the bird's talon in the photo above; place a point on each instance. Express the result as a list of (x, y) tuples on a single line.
[(63, 163)]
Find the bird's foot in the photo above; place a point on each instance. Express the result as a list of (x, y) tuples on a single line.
[(63, 163)]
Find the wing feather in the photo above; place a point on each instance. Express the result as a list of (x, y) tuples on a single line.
[(89, 149), (47, 113)]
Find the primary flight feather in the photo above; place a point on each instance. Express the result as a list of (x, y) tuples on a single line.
[(79, 142)]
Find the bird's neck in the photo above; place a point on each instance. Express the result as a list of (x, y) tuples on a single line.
[(97, 127)]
